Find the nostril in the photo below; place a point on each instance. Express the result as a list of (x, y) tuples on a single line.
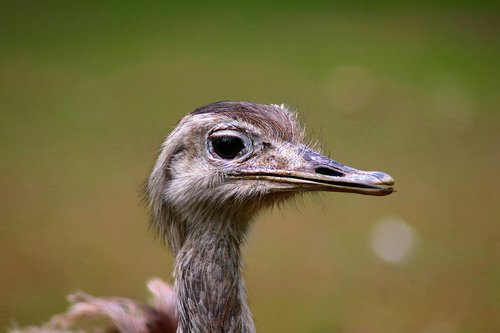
[(328, 172)]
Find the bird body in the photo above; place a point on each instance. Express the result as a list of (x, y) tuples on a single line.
[(216, 170)]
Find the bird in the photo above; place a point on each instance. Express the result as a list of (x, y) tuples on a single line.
[(219, 167)]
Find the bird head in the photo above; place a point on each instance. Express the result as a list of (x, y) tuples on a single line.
[(229, 159)]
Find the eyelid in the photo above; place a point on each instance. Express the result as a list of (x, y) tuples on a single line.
[(225, 132)]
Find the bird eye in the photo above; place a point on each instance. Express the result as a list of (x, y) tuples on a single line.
[(227, 147)]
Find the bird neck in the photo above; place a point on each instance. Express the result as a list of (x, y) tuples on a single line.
[(209, 288)]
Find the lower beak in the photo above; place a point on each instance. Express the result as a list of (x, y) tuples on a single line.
[(319, 173)]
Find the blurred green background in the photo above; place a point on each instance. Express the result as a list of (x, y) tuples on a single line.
[(88, 89)]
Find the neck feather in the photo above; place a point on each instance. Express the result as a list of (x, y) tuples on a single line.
[(209, 288)]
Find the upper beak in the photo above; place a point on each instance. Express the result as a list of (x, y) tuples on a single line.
[(315, 172)]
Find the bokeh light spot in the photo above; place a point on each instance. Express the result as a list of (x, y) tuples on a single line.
[(392, 239)]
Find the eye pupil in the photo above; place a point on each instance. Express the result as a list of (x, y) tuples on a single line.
[(227, 147)]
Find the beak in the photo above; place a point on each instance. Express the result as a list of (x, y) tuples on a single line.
[(315, 172)]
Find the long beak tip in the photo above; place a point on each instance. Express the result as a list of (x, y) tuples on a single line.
[(383, 178)]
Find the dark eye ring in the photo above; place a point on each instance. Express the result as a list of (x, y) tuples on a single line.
[(227, 147)]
